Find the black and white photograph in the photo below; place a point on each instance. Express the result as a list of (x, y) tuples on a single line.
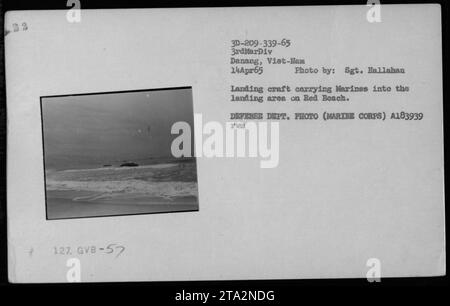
[(223, 153), (110, 154)]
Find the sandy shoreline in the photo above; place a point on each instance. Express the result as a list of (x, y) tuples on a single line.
[(60, 205)]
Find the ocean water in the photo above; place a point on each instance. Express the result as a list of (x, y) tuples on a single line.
[(170, 182)]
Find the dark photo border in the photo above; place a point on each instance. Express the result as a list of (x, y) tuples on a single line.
[(287, 291)]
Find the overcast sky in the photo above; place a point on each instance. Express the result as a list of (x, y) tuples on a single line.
[(92, 130)]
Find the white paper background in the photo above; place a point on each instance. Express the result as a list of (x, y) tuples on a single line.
[(343, 192)]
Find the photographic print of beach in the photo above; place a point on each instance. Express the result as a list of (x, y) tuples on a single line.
[(109, 154)]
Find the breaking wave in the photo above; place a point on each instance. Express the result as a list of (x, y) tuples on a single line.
[(162, 180), (166, 190)]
